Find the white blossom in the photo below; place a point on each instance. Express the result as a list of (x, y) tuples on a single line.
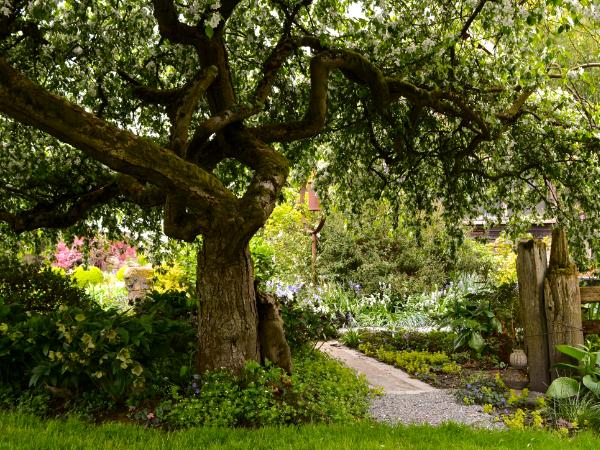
[(78, 50), (214, 20), (427, 44)]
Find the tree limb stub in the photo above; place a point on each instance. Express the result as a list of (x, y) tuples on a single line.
[(120, 150)]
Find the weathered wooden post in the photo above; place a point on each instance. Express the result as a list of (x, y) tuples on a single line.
[(562, 301), (531, 271)]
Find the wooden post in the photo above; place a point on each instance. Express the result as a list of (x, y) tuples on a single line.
[(562, 301), (531, 270)]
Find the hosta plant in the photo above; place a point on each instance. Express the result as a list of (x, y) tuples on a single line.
[(588, 371)]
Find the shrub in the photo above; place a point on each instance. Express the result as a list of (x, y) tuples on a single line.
[(39, 288), (72, 350), (402, 339), (97, 252), (171, 277), (303, 324), (263, 257), (84, 277), (321, 390), (484, 317)]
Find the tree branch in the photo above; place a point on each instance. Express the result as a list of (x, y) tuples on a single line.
[(270, 172), (464, 32), (171, 28), (120, 150), (51, 215), (237, 113), (314, 120)]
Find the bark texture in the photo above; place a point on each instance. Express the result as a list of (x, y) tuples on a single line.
[(531, 271), (228, 319), (562, 301)]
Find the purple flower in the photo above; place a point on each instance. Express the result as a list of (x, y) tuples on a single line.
[(355, 286), (469, 386), (194, 385), (196, 391)]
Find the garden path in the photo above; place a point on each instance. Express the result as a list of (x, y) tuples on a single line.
[(405, 399)]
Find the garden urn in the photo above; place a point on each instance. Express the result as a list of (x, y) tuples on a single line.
[(518, 359)]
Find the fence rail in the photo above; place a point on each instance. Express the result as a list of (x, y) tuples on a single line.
[(590, 294)]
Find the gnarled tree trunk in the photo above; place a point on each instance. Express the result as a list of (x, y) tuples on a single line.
[(228, 319), (234, 325)]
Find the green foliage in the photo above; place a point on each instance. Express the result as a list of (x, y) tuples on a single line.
[(483, 390), (581, 411), (304, 325), (414, 362), (403, 339), (111, 293), (484, 316), (373, 250), (84, 277), (74, 350), (263, 257), (350, 338), (320, 390), (39, 288), (171, 277), (121, 273), (588, 368), (471, 320), (281, 249)]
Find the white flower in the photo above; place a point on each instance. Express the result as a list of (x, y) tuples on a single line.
[(214, 20), (5, 10), (427, 44), (216, 5), (78, 50)]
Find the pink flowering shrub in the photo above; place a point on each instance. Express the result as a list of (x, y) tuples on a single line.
[(101, 254), (66, 257)]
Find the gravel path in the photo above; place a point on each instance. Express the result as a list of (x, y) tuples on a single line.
[(405, 399)]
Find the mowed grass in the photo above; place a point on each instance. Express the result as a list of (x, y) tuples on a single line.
[(19, 431)]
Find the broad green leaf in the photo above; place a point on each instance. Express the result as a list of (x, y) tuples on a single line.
[(477, 342), (591, 384), (574, 352), (565, 366), (563, 387)]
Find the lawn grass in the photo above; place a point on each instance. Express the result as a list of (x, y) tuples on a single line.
[(19, 431)]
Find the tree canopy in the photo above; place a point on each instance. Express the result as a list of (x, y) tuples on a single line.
[(465, 102), (195, 109)]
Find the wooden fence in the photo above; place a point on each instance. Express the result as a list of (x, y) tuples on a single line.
[(590, 294)]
